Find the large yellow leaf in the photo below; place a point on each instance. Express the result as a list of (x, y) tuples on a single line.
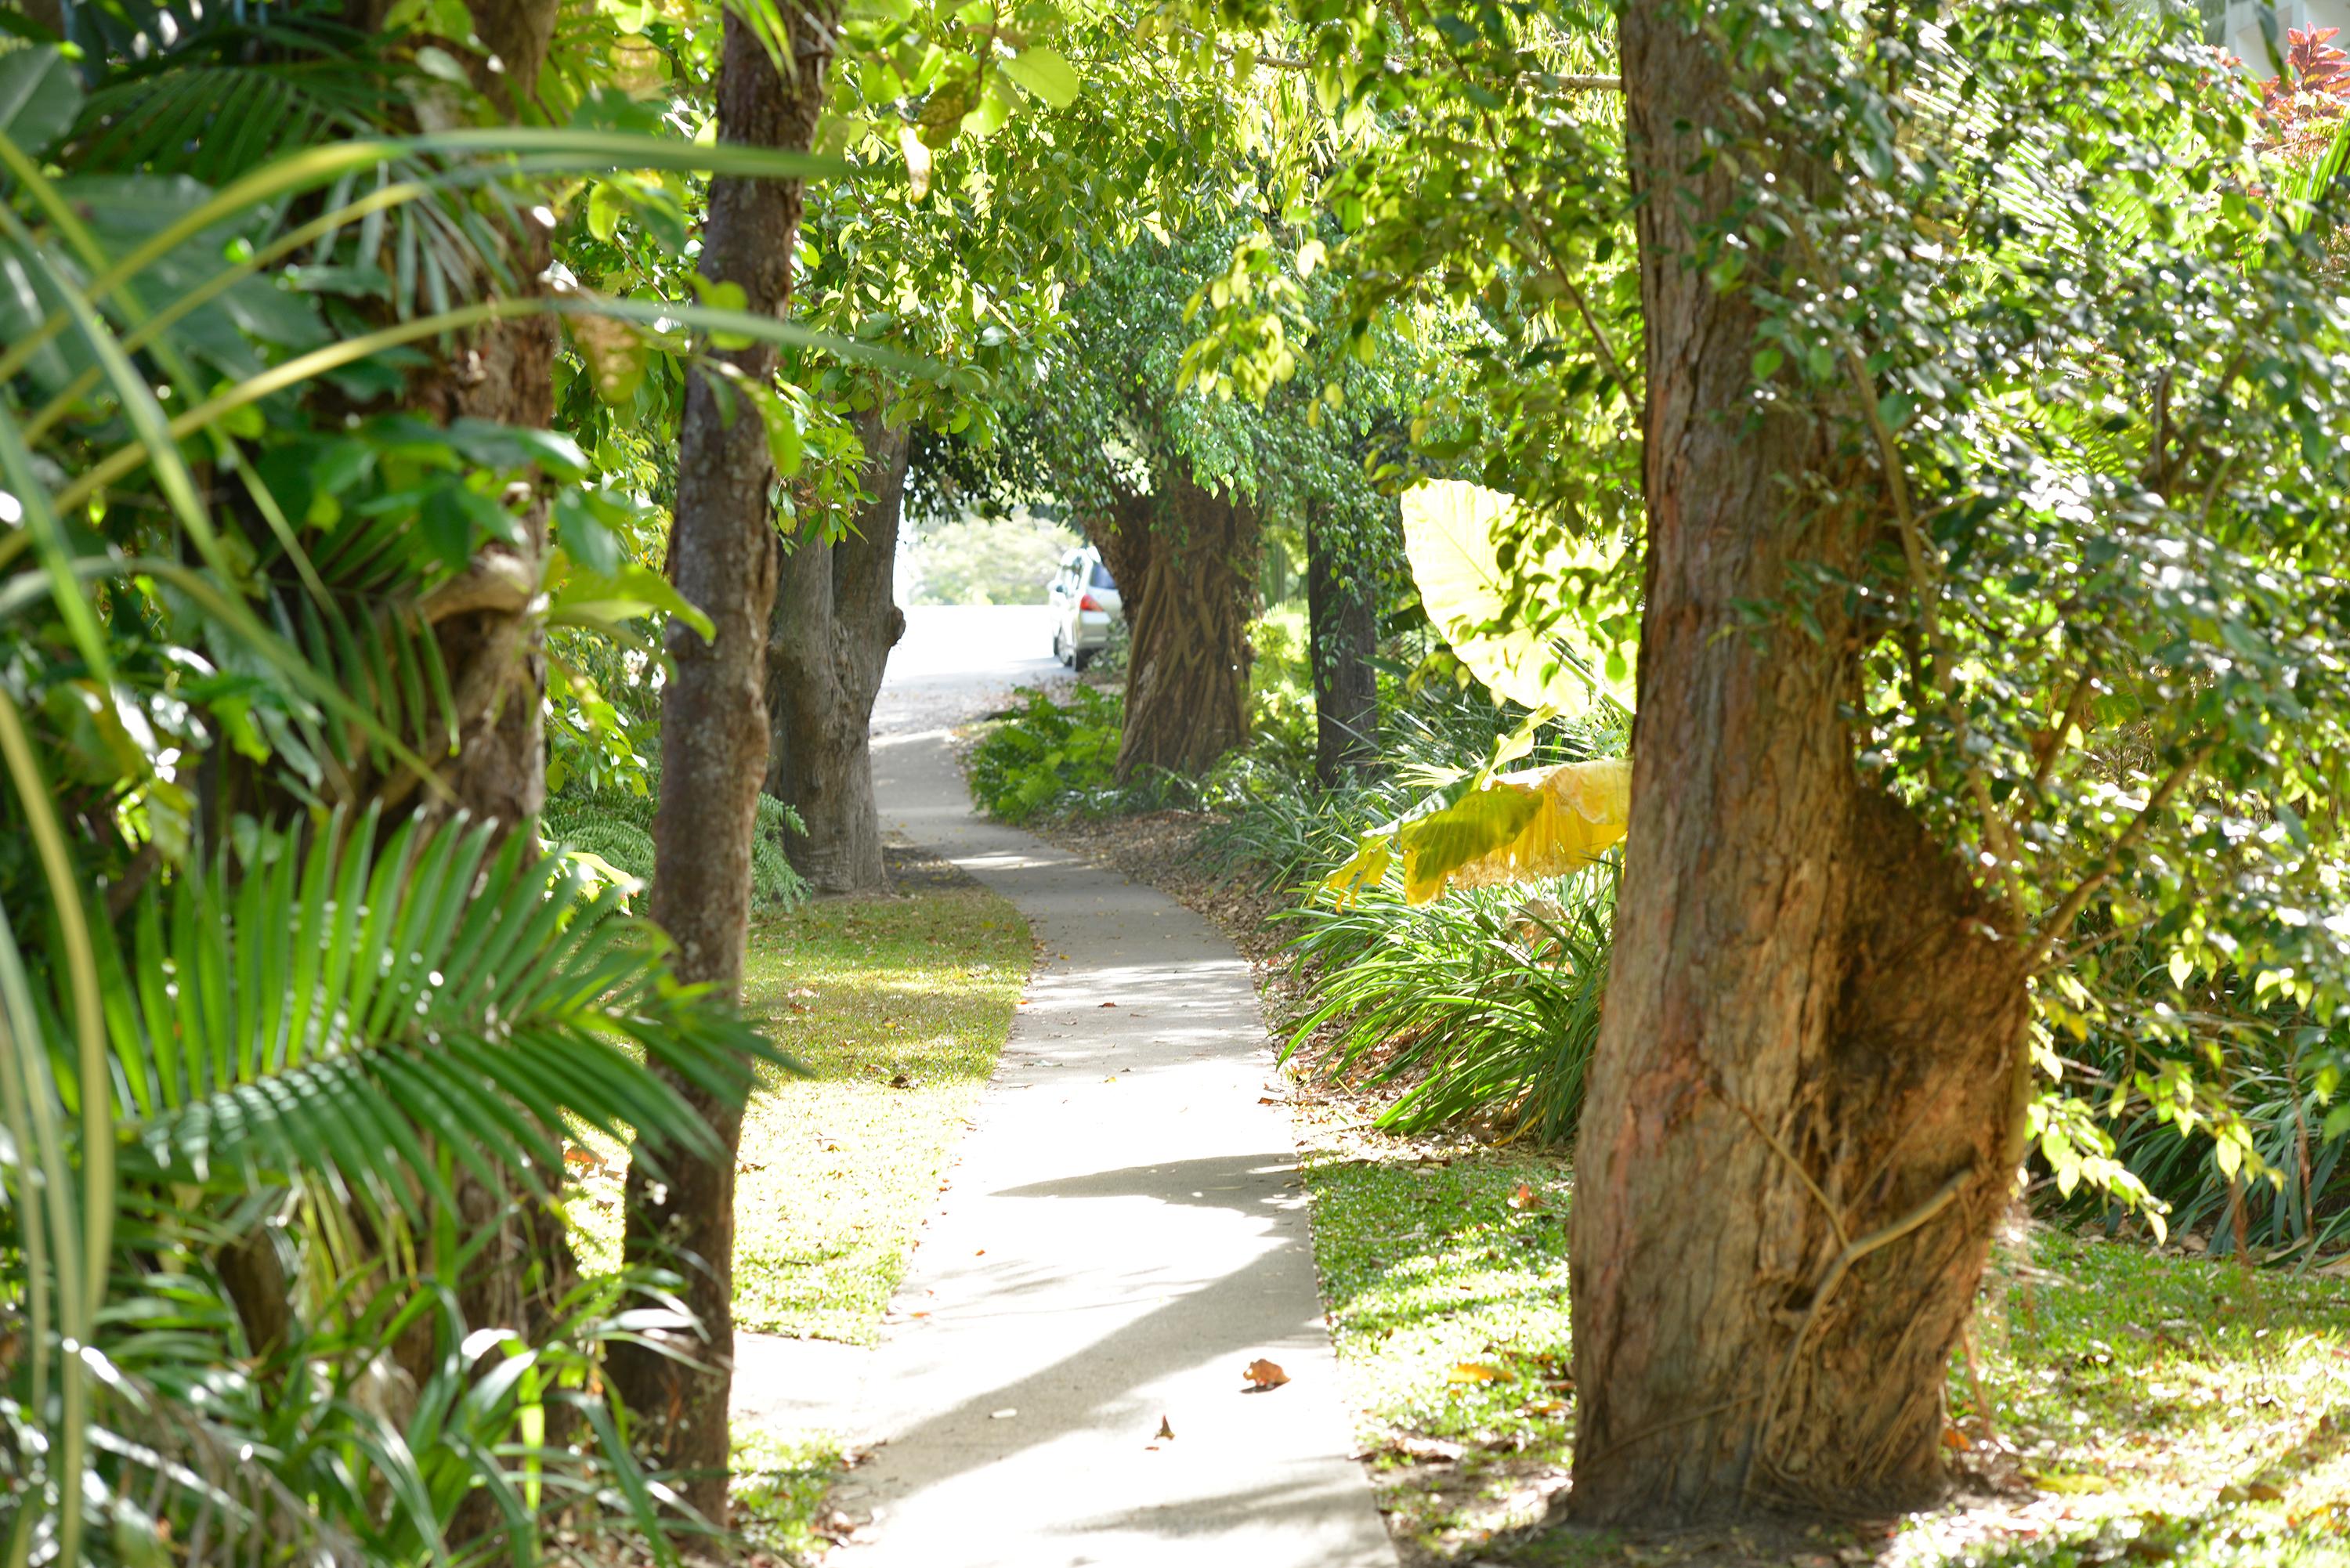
[(1538, 822), (1449, 529)]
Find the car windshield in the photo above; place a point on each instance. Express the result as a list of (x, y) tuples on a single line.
[(1101, 579)]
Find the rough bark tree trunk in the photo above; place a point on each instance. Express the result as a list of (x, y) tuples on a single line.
[(723, 556), (1189, 603), (836, 619), (1807, 1102), (1343, 625)]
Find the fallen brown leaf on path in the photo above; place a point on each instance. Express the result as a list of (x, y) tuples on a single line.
[(1109, 1004), (1265, 1374), (1164, 1429)]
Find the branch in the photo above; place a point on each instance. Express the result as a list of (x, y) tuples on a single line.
[(496, 579), (1567, 281), (2078, 899), (1927, 583), (2075, 708)]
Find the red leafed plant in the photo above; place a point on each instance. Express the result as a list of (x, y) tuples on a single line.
[(2306, 102)]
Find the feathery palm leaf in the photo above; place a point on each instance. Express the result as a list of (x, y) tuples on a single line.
[(328, 1012)]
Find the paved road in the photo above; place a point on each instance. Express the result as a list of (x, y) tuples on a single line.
[(1124, 1232), (954, 660)]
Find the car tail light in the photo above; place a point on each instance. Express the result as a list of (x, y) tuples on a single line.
[(1090, 603)]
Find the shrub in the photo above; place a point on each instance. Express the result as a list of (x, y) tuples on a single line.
[(1486, 1005), (618, 827), (1041, 755)]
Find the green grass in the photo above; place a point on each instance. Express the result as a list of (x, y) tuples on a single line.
[(779, 1491), (2160, 1409), (1434, 1277), (898, 1006)]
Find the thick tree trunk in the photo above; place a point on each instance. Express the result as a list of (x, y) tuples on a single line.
[(1342, 622), (1125, 537), (836, 619), (1187, 674), (1806, 1102), (723, 557)]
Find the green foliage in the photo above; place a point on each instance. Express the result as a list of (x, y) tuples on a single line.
[(617, 827), (1481, 1007), (1042, 756), (267, 1013)]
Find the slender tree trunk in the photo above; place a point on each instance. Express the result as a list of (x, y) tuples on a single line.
[(1807, 1102), (1187, 674), (1343, 624), (836, 619), (723, 557)]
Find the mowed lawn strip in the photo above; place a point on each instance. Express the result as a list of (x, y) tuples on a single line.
[(898, 1006)]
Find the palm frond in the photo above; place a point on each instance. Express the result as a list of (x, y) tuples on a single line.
[(346, 1010)]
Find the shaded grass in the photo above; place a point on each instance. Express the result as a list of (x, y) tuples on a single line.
[(2150, 1409), (1436, 1281), (779, 1490), (898, 1007)]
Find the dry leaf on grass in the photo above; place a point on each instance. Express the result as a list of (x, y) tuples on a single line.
[(1525, 1197), (1480, 1372), (1265, 1374)]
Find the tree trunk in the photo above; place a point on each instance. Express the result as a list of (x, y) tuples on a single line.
[(1806, 1102), (723, 557), (1187, 674), (1343, 624), (836, 619)]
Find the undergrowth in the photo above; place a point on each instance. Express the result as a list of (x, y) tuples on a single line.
[(616, 827)]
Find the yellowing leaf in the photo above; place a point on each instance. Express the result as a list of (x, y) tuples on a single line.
[(1537, 822), (918, 160), (1367, 869), (1480, 1372), (1449, 529)]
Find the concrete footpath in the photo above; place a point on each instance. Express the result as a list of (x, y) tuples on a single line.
[(1124, 1230)]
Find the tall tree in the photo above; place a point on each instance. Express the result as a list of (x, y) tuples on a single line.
[(1965, 621), (836, 618), (1187, 672), (1342, 607), (1809, 995), (722, 560)]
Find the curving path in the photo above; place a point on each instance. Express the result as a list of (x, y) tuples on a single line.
[(1123, 1230)]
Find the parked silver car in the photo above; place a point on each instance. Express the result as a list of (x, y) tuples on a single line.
[(1084, 601)]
